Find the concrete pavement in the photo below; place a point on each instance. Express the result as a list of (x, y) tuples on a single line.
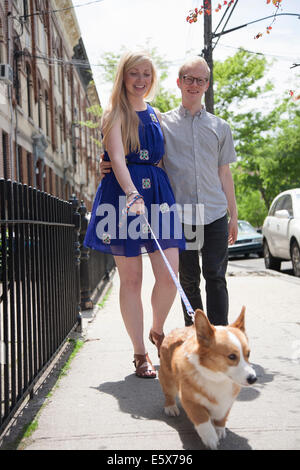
[(101, 404)]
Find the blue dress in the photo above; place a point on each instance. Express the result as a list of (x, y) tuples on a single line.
[(110, 229)]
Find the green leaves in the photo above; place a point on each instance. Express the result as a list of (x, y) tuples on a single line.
[(267, 138)]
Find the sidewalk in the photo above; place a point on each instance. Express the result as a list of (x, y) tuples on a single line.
[(101, 404)]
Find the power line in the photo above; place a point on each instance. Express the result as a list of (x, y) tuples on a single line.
[(232, 10), (86, 64), (276, 56), (44, 12), (252, 22)]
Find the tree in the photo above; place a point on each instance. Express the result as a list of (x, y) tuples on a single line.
[(267, 142)]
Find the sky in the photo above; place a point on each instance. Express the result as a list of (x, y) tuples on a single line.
[(110, 24)]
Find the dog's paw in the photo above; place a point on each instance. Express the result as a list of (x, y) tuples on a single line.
[(208, 435), (172, 410), (221, 432)]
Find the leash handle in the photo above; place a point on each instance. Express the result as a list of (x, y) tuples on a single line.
[(183, 296), (128, 205)]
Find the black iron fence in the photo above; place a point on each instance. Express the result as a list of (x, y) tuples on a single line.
[(39, 286), (95, 268)]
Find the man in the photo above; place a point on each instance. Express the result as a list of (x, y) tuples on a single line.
[(199, 149)]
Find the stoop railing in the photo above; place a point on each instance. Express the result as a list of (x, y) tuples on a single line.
[(39, 286)]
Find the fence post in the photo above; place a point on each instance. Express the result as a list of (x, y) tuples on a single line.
[(85, 288), (76, 221)]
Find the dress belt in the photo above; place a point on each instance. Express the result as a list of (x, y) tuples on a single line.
[(141, 163)]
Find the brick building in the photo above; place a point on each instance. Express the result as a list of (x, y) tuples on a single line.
[(45, 92)]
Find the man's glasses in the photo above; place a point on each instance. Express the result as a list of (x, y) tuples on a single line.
[(189, 80)]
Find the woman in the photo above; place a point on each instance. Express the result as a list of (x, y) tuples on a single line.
[(133, 142)]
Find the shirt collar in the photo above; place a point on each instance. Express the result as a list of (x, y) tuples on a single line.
[(185, 112)]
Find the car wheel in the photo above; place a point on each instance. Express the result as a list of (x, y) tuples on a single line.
[(270, 261), (295, 255)]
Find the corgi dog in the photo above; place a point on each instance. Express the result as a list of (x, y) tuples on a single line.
[(207, 366)]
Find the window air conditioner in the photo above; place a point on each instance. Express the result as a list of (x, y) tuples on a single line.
[(6, 74)]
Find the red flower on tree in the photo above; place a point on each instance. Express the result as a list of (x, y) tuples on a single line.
[(294, 96), (193, 14)]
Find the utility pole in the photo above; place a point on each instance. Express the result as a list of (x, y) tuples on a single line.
[(207, 52)]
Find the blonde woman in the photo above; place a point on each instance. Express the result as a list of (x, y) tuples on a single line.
[(134, 145)]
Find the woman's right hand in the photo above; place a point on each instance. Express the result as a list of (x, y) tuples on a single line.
[(138, 207), (105, 167)]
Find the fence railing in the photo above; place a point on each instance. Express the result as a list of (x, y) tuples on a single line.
[(95, 268), (39, 286)]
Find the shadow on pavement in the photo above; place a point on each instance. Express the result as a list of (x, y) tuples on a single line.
[(143, 400)]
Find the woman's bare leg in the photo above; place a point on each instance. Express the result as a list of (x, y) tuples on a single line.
[(131, 273), (164, 290)]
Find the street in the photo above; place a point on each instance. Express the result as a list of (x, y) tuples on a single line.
[(255, 263)]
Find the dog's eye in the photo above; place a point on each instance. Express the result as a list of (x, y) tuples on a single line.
[(232, 357)]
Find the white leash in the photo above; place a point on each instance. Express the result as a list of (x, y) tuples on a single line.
[(185, 300), (183, 296)]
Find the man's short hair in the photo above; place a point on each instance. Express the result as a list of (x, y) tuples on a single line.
[(191, 62)]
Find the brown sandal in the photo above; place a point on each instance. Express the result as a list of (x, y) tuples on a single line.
[(144, 367), (156, 339)]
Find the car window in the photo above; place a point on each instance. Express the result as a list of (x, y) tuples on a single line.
[(245, 227), (297, 206), (277, 205), (288, 205)]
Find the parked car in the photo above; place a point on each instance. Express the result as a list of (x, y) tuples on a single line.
[(281, 231), (248, 240)]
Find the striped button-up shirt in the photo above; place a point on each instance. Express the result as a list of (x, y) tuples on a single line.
[(195, 147)]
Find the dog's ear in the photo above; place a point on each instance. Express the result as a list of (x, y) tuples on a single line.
[(205, 331), (240, 321)]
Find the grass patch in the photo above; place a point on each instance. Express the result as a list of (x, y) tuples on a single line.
[(29, 430), (33, 425), (77, 345), (101, 304)]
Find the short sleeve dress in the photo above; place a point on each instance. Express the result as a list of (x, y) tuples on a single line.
[(111, 229)]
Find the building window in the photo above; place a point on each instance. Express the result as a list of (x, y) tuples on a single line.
[(47, 112), (25, 8), (40, 106), (1, 43), (50, 183), (19, 164), (29, 169), (5, 154), (57, 189), (17, 81), (44, 42), (55, 136), (39, 175), (61, 136), (28, 87)]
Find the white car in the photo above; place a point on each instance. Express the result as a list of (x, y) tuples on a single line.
[(281, 231)]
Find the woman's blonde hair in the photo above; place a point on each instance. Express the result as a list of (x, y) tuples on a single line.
[(119, 106)]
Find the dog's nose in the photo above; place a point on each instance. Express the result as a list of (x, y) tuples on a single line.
[(251, 379)]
